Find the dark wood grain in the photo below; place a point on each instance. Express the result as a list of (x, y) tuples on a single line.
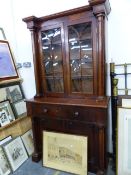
[(76, 113)]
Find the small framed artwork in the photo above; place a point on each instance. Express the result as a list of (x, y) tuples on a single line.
[(27, 139), (20, 108), (7, 64), (16, 153), (12, 91), (124, 141), (6, 110), (4, 120), (65, 152), (4, 164), (6, 139)]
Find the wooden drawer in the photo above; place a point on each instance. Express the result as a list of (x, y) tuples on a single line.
[(92, 115)]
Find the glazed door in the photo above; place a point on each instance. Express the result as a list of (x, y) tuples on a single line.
[(52, 60), (82, 60)]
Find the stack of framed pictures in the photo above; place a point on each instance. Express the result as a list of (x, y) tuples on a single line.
[(14, 93), (15, 151), (12, 104)]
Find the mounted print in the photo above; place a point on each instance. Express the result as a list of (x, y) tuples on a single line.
[(6, 109), (124, 142), (16, 153), (12, 92), (65, 152), (27, 139), (7, 64), (20, 108), (6, 139), (4, 164)]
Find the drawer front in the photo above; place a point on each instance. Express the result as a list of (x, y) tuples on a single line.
[(85, 114)]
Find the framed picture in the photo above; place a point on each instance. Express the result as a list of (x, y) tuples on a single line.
[(4, 164), (6, 110), (16, 153), (7, 64), (65, 152), (12, 91), (4, 120), (27, 139), (20, 108), (6, 139), (124, 141)]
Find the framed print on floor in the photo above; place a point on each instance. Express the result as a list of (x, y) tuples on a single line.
[(4, 164), (124, 142), (27, 139), (16, 153), (7, 64), (65, 152)]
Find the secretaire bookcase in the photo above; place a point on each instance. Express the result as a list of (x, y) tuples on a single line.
[(70, 74)]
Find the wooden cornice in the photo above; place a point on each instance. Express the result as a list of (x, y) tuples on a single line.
[(98, 6)]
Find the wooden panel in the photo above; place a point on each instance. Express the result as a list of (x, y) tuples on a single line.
[(16, 128)]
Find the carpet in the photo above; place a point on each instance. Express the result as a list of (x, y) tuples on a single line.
[(32, 168)]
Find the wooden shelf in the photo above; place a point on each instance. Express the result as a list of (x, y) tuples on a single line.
[(10, 81), (16, 128)]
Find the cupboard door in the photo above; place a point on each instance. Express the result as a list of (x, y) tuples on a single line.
[(52, 59), (81, 57)]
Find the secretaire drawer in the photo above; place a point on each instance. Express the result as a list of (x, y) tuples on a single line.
[(87, 114)]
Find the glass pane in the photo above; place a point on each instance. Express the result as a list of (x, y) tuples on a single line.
[(81, 61), (76, 84), (86, 67), (57, 68), (87, 85), (74, 50), (59, 85), (52, 59), (86, 49), (50, 84), (75, 67), (51, 36), (79, 32), (49, 67), (56, 51)]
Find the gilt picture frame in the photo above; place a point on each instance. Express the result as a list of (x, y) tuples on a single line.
[(124, 141), (7, 64), (16, 153), (65, 152)]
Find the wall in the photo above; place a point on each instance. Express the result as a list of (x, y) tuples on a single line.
[(119, 37)]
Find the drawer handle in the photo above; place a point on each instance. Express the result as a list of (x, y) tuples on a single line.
[(76, 114), (45, 110)]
